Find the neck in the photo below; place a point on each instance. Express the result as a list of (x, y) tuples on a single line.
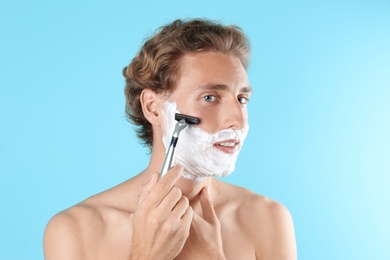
[(191, 189)]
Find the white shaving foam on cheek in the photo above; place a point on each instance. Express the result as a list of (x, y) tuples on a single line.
[(195, 150)]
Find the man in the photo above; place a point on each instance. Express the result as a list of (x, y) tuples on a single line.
[(197, 68)]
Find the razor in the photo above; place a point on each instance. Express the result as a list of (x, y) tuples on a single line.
[(183, 122)]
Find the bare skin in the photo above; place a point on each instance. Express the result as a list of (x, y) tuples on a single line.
[(172, 217)]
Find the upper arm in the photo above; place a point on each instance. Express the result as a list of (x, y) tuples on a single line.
[(62, 239), (271, 228), (283, 244)]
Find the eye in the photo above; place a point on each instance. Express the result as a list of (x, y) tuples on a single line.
[(210, 98), (243, 100)]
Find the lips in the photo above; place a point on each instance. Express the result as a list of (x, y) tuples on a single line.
[(227, 146)]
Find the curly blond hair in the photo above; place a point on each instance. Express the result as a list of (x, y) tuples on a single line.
[(157, 64)]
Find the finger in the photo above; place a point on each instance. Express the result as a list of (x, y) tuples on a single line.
[(147, 187), (164, 185), (169, 202), (180, 208), (197, 222), (207, 207), (138, 195), (187, 217)]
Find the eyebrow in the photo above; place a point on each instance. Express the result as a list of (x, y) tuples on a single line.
[(247, 89)]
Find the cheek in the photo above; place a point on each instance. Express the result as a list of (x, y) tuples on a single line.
[(189, 108), (208, 118), (209, 121), (184, 106)]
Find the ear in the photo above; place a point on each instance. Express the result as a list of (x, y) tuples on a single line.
[(151, 106)]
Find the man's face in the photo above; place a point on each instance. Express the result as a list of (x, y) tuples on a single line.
[(215, 88)]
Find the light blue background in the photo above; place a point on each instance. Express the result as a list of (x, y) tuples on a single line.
[(320, 113)]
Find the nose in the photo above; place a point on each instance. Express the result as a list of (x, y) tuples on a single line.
[(235, 115)]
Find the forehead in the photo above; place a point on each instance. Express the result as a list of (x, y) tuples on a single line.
[(212, 69)]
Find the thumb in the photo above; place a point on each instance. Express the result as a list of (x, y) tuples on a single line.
[(207, 207)]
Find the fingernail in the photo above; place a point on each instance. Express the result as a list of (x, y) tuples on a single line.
[(179, 167)]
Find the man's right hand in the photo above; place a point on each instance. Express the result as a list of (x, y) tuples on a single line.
[(162, 220)]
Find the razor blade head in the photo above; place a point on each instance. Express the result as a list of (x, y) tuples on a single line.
[(189, 119)]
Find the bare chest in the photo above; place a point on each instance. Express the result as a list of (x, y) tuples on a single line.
[(112, 240), (115, 239), (236, 243)]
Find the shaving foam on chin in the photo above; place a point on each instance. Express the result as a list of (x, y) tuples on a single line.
[(195, 150)]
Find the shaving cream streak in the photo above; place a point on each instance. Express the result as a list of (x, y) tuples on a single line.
[(195, 150)]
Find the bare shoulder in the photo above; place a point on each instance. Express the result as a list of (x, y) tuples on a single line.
[(267, 222), (261, 207), (97, 228), (80, 232), (65, 232)]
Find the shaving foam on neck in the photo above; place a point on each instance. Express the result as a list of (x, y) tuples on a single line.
[(195, 150)]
